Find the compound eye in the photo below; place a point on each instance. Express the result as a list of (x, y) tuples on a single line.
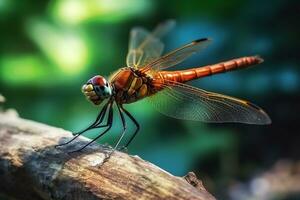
[(102, 87), (106, 84), (97, 89)]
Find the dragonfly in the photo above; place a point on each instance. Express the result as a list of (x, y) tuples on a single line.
[(147, 76)]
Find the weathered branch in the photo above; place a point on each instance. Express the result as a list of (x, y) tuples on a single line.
[(31, 168)]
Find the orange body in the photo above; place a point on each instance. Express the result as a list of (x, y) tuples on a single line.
[(132, 85), (146, 76)]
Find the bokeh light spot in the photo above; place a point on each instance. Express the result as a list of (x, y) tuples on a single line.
[(74, 12), (22, 69), (67, 49)]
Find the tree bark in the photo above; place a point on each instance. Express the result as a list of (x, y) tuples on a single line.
[(31, 168)]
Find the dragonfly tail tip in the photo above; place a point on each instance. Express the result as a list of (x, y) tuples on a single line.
[(259, 59)]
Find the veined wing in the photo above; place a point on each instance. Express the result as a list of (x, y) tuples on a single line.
[(186, 102), (144, 47), (178, 55)]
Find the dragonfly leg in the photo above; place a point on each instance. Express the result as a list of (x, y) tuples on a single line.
[(124, 127), (109, 124), (95, 124), (135, 122), (120, 137), (98, 120)]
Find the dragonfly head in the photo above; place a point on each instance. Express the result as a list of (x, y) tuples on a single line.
[(97, 89)]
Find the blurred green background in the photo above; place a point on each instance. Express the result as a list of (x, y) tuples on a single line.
[(50, 48)]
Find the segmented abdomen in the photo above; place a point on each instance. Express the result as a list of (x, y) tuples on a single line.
[(194, 73)]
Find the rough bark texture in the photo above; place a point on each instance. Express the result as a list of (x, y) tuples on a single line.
[(31, 168)]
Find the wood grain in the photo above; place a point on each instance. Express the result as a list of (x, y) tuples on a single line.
[(31, 168)]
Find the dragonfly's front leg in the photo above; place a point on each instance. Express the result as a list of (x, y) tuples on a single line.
[(108, 125), (95, 124), (98, 121)]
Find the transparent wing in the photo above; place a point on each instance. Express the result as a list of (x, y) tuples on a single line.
[(186, 102), (177, 56), (144, 47)]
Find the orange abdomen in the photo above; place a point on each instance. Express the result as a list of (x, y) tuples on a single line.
[(194, 73)]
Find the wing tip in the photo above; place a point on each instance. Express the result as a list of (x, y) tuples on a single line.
[(267, 119), (202, 40), (264, 119)]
